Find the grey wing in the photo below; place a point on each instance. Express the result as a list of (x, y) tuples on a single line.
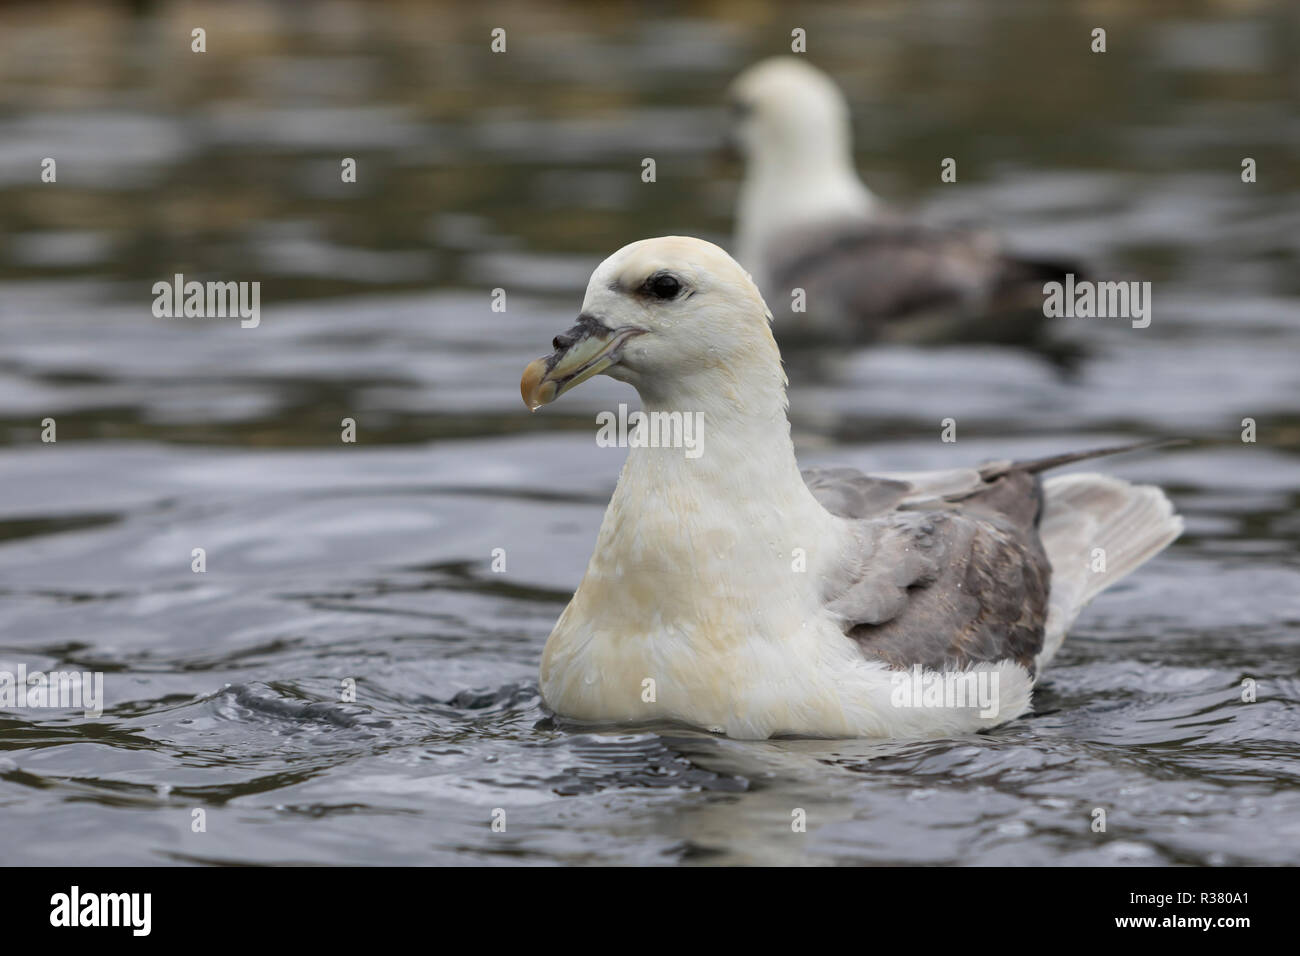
[(877, 272), (848, 493), (942, 581)]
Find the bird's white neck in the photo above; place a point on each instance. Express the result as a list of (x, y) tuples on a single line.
[(744, 447), (789, 189), (736, 522)]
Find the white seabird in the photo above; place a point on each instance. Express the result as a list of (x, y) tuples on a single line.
[(805, 220), (731, 592)]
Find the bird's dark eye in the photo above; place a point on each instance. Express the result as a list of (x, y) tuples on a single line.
[(663, 286)]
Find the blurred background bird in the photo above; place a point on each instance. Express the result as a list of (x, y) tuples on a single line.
[(835, 261)]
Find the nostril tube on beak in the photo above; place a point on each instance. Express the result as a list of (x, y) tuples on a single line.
[(562, 341)]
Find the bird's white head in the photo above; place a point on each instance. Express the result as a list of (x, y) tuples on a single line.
[(675, 317), (787, 114)]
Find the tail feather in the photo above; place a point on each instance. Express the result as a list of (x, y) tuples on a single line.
[(1036, 466), (1082, 513)]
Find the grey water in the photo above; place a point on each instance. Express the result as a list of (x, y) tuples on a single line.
[(373, 562)]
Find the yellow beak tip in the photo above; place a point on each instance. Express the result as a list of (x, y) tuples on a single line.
[(534, 388)]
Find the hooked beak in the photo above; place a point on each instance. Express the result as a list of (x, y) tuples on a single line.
[(585, 350)]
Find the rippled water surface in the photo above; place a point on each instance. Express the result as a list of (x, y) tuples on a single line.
[(372, 561)]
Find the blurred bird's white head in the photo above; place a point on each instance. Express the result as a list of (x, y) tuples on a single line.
[(787, 113), (675, 317)]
